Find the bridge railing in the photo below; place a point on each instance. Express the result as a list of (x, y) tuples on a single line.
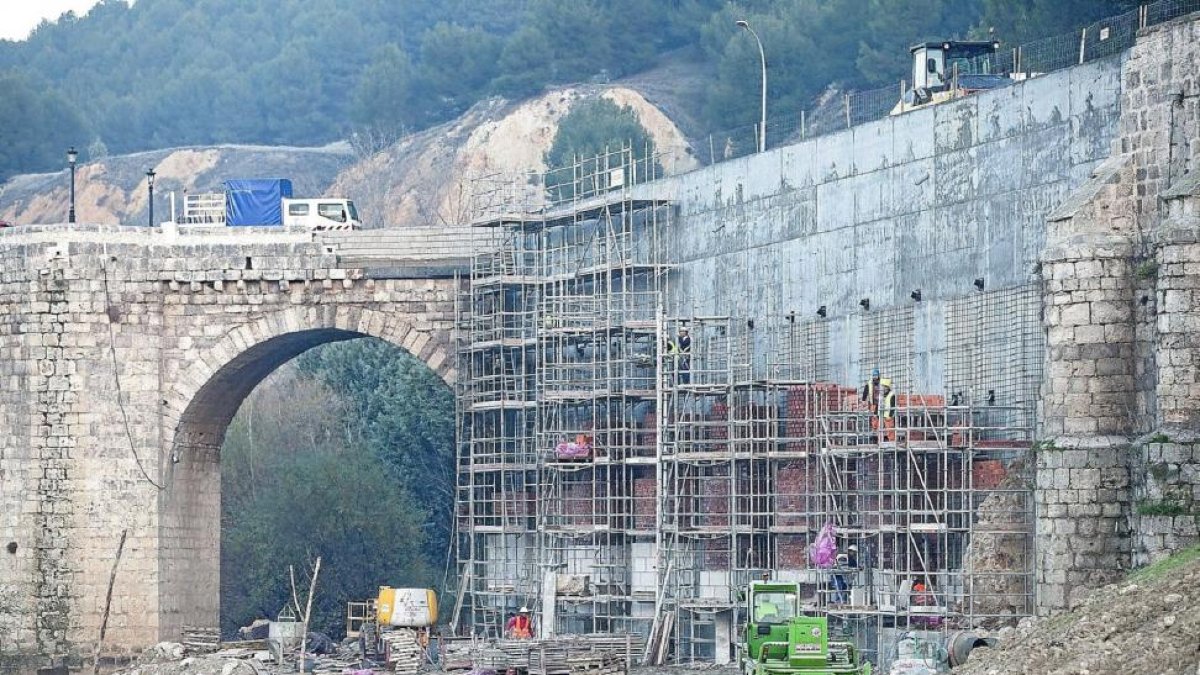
[(407, 243)]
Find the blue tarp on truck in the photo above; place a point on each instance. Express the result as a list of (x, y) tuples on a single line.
[(256, 201)]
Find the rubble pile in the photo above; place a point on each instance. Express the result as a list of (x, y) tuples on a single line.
[(1147, 624)]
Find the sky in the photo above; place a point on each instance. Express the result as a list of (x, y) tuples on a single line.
[(19, 17)]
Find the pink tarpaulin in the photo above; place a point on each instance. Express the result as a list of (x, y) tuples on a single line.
[(572, 450), (823, 551)]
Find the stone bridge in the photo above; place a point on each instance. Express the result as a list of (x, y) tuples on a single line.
[(124, 354)]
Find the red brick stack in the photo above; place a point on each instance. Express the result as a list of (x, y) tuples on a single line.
[(797, 493), (988, 474), (753, 422), (643, 503), (867, 479), (798, 418), (579, 507), (717, 429), (791, 551), (716, 554), (714, 502), (648, 437)]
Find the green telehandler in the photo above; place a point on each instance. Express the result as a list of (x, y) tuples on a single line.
[(781, 640)]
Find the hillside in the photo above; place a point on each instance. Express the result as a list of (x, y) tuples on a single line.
[(426, 179), (113, 189), (422, 179), (1148, 624), (137, 76)]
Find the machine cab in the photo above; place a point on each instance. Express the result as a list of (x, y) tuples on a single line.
[(321, 214), (770, 606), (935, 63)]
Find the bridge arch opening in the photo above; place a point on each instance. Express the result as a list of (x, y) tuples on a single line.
[(209, 393)]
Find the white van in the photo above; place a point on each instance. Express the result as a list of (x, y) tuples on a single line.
[(321, 214)]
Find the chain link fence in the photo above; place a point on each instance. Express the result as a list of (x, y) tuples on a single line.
[(835, 112)]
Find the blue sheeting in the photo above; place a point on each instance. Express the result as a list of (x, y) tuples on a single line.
[(256, 201)]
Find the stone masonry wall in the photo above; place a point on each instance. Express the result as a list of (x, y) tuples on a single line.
[(1121, 280), (1082, 506), (1161, 129), (1166, 498), (125, 354)]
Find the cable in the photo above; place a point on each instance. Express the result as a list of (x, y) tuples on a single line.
[(112, 350)]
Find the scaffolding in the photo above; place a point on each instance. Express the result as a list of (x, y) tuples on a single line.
[(557, 427), (616, 476), (757, 461)]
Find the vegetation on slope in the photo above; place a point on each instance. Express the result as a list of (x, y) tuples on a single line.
[(162, 73)]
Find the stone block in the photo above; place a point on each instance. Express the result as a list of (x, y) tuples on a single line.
[(1077, 314)]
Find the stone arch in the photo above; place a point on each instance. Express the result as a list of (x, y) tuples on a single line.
[(200, 402)]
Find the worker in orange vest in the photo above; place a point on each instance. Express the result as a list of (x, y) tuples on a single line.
[(520, 627), (887, 410)]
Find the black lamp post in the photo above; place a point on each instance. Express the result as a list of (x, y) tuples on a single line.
[(72, 155), (150, 184)]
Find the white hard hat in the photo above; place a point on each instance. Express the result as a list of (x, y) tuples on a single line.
[(523, 610), (853, 547)]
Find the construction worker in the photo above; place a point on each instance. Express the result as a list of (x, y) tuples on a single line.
[(684, 343), (766, 611), (848, 563), (870, 395), (870, 391), (887, 410), (672, 362), (923, 596), (519, 627)]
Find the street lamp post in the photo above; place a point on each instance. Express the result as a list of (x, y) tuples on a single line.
[(150, 185), (72, 155), (762, 55)]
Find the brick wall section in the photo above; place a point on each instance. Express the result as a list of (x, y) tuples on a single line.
[(188, 325), (1121, 283)]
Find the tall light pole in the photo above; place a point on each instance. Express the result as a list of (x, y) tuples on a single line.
[(150, 185), (72, 155), (762, 55)]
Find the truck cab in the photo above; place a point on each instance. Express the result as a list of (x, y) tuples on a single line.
[(321, 214), (769, 608)]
